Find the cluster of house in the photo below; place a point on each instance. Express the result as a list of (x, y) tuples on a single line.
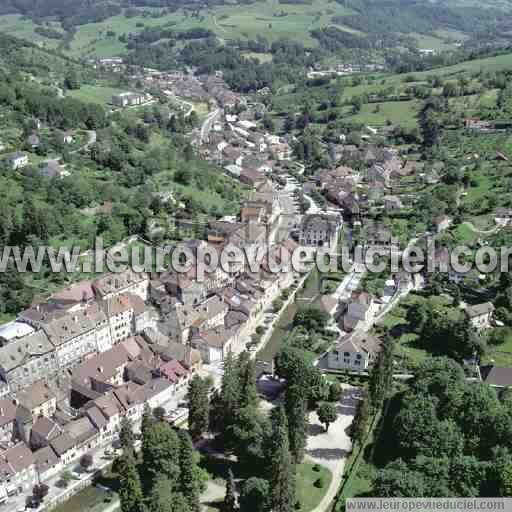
[(243, 149), (357, 350), (73, 366), (344, 68), (20, 159), (188, 84), (358, 192)]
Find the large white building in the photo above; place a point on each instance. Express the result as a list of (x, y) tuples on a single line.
[(357, 352)]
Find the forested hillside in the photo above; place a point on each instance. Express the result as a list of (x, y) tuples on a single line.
[(71, 193)]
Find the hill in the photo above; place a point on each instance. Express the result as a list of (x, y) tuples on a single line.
[(103, 28)]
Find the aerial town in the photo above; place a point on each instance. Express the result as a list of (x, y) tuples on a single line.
[(380, 158)]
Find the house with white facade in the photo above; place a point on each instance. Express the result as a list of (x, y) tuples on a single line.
[(28, 359), (7, 420), (480, 315), (18, 473), (112, 285), (73, 336), (356, 352)]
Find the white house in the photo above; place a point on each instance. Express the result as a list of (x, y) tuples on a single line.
[(480, 315), (356, 352), (18, 471), (16, 160), (112, 285)]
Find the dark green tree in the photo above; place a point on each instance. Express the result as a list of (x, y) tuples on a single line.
[(198, 406), (255, 495), (147, 419), (282, 469), (130, 488), (160, 449), (163, 497), (189, 480), (296, 413), (327, 414), (248, 390), (126, 435), (229, 504)]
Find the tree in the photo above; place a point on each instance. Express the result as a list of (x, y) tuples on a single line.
[(163, 497), (126, 435), (268, 123), (255, 495), (327, 414), (359, 425), (147, 418), (72, 80), (335, 392), (40, 491), (248, 390), (282, 469), (229, 504), (289, 123), (381, 377), (65, 478), (198, 406), (225, 405), (130, 488), (86, 461), (189, 483), (160, 445), (296, 413), (159, 413), (312, 319)]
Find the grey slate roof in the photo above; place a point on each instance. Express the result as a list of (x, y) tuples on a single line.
[(23, 349)]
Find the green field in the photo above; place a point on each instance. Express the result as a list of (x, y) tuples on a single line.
[(402, 113), (428, 42), (500, 355), (267, 18), (95, 93), (24, 29), (308, 494)]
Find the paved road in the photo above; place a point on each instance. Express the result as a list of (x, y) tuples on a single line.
[(350, 282), (313, 207), (208, 124), (331, 449), (492, 231)]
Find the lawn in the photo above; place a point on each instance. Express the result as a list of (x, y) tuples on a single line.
[(261, 57), (427, 42), (403, 113), (23, 28), (284, 326), (6, 317), (500, 355), (464, 235), (92, 499), (308, 494), (100, 94)]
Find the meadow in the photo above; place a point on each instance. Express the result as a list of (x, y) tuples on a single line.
[(267, 18)]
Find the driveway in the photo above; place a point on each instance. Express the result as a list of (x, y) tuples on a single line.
[(331, 449), (213, 494)]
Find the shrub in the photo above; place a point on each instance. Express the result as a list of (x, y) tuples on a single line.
[(319, 483)]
